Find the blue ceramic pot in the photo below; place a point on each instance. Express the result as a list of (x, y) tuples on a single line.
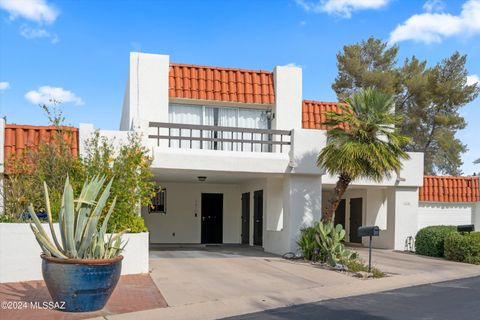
[(81, 285)]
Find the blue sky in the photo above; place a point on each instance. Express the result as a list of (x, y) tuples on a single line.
[(78, 51)]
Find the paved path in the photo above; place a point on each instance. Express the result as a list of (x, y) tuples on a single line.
[(214, 283), (457, 299), (133, 293)]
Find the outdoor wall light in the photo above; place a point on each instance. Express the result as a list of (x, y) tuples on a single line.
[(202, 178)]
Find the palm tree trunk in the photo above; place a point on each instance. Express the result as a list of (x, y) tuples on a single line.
[(336, 196)]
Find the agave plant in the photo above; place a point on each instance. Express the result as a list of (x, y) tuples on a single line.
[(329, 237), (80, 237)]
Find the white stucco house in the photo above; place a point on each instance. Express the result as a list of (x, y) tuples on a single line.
[(235, 150)]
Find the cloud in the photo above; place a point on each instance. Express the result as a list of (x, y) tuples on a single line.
[(34, 10), (293, 65), (35, 33), (472, 79), (431, 27), (4, 85), (434, 5), (46, 94), (343, 8)]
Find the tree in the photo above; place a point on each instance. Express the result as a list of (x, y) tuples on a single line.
[(367, 146), (428, 98)]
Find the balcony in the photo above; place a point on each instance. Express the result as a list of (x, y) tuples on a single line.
[(205, 137)]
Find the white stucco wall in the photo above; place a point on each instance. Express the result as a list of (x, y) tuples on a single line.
[(411, 174), (437, 213), (288, 98), (302, 196), (147, 94), (182, 222), (20, 253), (406, 215)]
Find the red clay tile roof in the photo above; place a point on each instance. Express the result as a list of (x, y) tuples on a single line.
[(449, 189), (21, 137), (221, 84), (313, 113)]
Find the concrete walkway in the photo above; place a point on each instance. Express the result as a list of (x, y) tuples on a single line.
[(210, 283)]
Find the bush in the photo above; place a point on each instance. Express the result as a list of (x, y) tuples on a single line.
[(307, 243), (129, 164), (357, 265), (429, 241), (463, 247)]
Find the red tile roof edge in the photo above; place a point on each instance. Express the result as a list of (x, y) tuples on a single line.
[(174, 64), (220, 84), (449, 189), (18, 137)]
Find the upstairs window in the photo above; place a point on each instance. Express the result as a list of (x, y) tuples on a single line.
[(219, 117)]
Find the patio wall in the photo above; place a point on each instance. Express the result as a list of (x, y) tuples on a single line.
[(20, 253)]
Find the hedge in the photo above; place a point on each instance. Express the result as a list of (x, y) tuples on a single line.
[(429, 241), (463, 247)]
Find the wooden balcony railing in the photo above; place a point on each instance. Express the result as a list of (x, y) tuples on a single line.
[(191, 136)]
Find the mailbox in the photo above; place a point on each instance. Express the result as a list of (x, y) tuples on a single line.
[(466, 228), (369, 231)]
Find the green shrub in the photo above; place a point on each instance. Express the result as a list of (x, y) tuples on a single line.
[(463, 247), (129, 164), (357, 265), (330, 241), (429, 241), (307, 243)]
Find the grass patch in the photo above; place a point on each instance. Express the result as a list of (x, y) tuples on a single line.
[(357, 265)]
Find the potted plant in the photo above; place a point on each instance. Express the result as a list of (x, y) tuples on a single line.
[(82, 266)]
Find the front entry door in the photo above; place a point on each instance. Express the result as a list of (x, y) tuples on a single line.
[(340, 214), (246, 218), (212, 217), (356, 205), (258, 218)]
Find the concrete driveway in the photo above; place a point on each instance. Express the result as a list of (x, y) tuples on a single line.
[(216, 282)]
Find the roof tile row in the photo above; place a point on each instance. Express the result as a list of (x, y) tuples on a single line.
[(21, 137), (450, 189), (221, 84), (314, 113)]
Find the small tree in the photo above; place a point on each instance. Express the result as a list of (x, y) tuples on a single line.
[(367, 145), (129, 164)]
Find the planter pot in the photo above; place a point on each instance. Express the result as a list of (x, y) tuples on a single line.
[(81, 285)]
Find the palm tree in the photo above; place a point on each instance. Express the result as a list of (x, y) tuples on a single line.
[(477, 161), (362, 143)]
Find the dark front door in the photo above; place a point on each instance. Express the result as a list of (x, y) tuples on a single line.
[(356, 205), (340, 214), (258, 218), (246, 218), (212, 217)]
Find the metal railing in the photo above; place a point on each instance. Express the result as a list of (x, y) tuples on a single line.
[(192, 136)]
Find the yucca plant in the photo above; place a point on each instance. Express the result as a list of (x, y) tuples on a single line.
[(80, 237)]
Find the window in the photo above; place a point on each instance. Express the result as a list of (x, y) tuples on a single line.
[(221, 117), (159, 202)]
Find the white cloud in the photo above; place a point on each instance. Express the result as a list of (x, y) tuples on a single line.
[(434, 5), (34, 33), (434, 27), (4, 85), (45, 95), (35, 10), (472, 79), (293, 65), (343, 8)]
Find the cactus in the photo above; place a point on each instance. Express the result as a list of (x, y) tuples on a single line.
[(80, 237), (329, 238)]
